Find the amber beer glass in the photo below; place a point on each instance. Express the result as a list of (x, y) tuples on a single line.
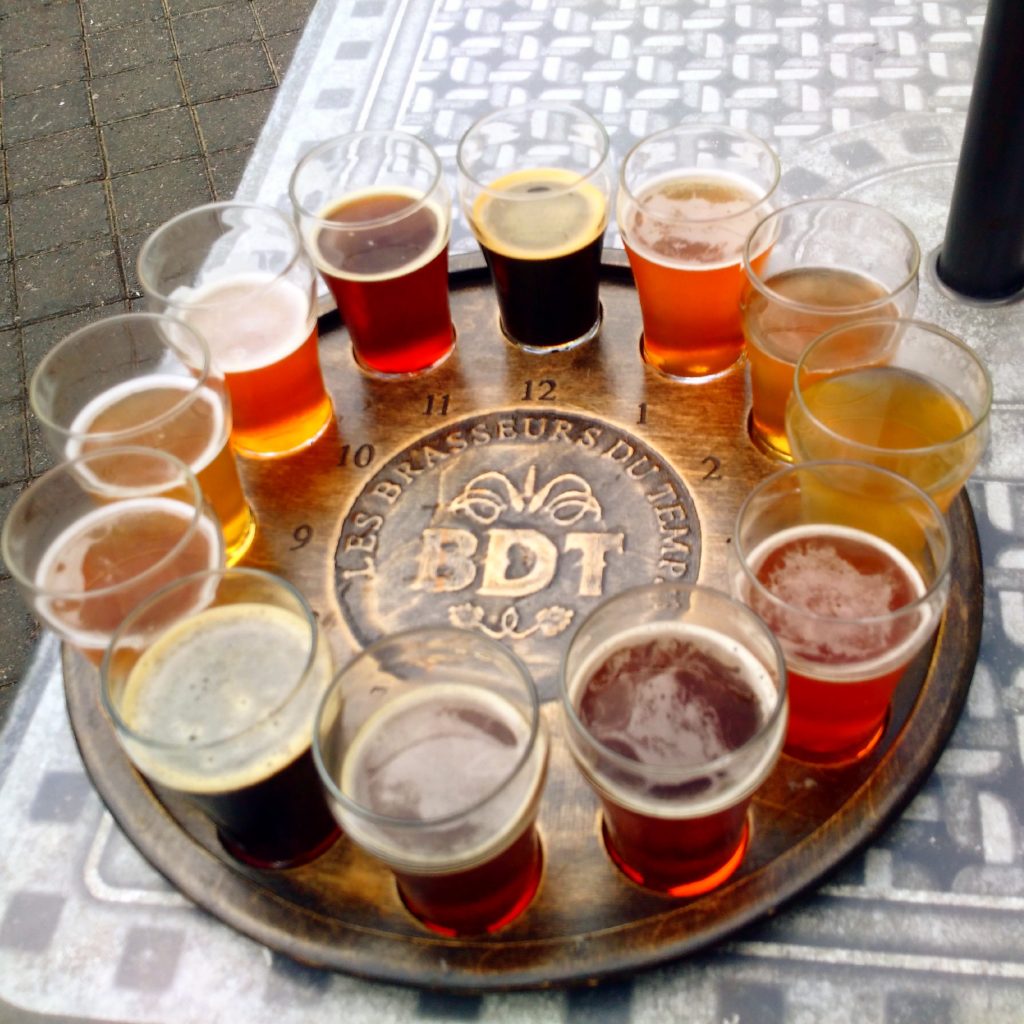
[(375, 215), (688, 198), (904, 394), (674, 698), (237, 274), (432, 750), (810, 267), (91, 538), (145, 379), (212, 684), (535, 184), (848, 564)]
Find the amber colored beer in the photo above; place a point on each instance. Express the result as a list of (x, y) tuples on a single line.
[(386, 263), (839, 593), (684, 235), (541, 231), (263, 336), (782, 320), (197, 434), (410, 761), (674, 698)]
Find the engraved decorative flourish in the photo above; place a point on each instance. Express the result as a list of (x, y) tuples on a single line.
[(548, 621), (565, 499)]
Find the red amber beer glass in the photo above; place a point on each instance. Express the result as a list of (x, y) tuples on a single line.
[(810, 267), (904, 395), (212, 684), (375, 216), (145, 379), (674, 698), (688, 199), (848, 564), (535, 184), (237, 274), (433, 755), (88, 540)]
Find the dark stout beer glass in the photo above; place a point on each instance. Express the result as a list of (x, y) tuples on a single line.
[(212, 684), (674, 698), (535, 182), (433, 754)]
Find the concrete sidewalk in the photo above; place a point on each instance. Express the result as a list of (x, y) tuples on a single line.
[(116, 114)]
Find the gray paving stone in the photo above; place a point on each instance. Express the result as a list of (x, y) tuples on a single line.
[(60, 61), (100, 15), (282, 49), (131, 46), (5, 233), (129, 246), (73, 277), (234, 121), (213, 28), (155, 138), (18, 634), (38, 338), (279, 16), (145, 199), (238, 68), (227, 168), (137, 91), (13, 441), (12, 377), (63, 159), (45, 112), (51, 219), (7, 303), (23, 27), (179, 7)]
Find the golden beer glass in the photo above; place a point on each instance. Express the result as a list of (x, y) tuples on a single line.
[(905, 395), (829, 262), (145, 379), (237, 274)]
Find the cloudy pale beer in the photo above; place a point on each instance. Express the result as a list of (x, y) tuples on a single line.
[(541, 231), (384, 255)]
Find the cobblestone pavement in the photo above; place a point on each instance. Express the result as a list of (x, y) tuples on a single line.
[(116, 114)]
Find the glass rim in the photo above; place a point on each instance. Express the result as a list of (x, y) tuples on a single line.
[(426, 199), (70, 468), (697, 129), (603, 155), (416, 824), (754, 277), (980, 419), (189, 395), (194, 578), (942, 572), (206, 209), (680, 773)]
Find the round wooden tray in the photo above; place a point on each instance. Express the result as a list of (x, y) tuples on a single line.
[(587, 921)]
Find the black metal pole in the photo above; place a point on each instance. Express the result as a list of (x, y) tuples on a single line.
[(982, 255)]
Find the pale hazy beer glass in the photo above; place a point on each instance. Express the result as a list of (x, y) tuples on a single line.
[(375, 215), (145, 379), (237, 274), (535, 184)]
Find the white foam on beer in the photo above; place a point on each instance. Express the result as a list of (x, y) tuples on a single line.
[(61, 570), (430, 763), (823, 586), (91, 411), (324, 222), (249, 320), (221, 692), (663, 729), (711, 235)]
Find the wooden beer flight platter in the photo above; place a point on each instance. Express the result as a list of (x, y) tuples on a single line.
[(508, 492)]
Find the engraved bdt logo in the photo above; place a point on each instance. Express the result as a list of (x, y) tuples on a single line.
[(515, 524)]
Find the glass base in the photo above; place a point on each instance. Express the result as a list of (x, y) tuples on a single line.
[(764, 446), (294, 860), (402, 374), (236, 551), (256, 453), (697, 378), (559, 346), (845, 755)]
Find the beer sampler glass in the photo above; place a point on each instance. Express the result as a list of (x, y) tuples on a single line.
[(432, 750), (145, 379), (375, 215), (535, 183), (688, 198), (849, 566), (92, 537), (905, 395), (212, 684), (675, 702), (813, 266), (237, 274)]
